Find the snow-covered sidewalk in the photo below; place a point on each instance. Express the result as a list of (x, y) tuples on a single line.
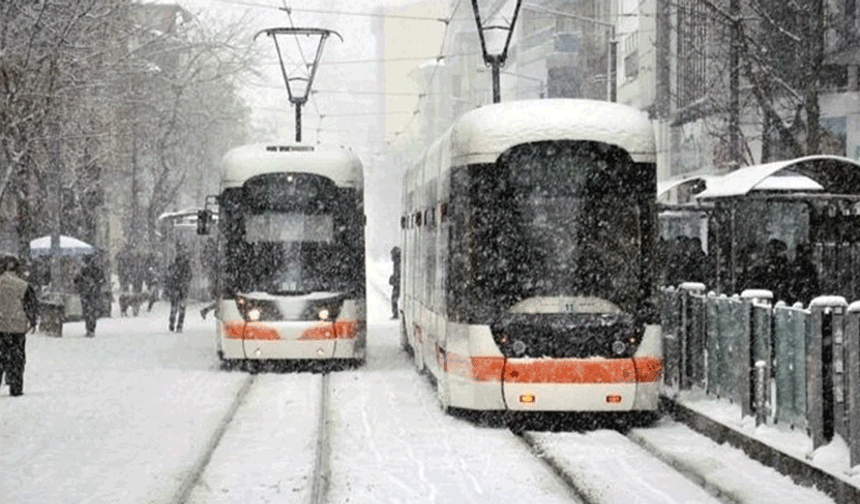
[(116, 418)]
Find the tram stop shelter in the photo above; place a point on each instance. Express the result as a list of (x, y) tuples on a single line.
[(812, 202)]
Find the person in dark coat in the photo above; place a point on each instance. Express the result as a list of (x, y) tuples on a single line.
[(176, 289), (394, 280), (773, 273), (804, 276), (89, 282), (19, 309)]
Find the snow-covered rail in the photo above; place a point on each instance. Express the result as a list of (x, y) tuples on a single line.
[(322, 473), (273, 448), (194, 474), (666, 463), (604, 466)]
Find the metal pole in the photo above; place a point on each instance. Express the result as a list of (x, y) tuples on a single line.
[(613, 65), (298, 121), (497, 83)]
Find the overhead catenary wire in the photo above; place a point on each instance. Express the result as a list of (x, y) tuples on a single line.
[(432, 75), (337, 12)]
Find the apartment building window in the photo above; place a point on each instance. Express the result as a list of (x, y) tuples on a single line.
[(631, 56), (693, 36)]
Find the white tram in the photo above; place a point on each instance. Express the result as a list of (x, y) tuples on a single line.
[(291, 255), (529, 259)]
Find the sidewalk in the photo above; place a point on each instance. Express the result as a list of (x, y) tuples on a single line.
[(788, 452)]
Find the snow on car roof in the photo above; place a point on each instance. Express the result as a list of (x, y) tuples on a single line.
[(482, 135), (832, 174), (339, 164)]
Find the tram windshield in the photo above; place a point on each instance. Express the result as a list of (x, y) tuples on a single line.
[(561, 219), (292, 235)]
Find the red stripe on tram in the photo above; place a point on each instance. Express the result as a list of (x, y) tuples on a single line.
[(340, 329), (591, 371), (250, 331)]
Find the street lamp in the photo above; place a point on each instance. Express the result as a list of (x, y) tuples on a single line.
[(611, 64), (495, 61)]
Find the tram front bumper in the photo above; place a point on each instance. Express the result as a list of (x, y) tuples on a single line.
[(292, 340)]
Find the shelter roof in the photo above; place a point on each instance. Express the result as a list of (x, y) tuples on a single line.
[(828, 174)]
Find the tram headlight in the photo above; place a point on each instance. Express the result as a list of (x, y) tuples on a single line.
[(324, 314), (619, 347), (519, 347), (253, 315)]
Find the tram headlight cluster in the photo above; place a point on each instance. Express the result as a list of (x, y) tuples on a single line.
[(324, 310), (255, 310)]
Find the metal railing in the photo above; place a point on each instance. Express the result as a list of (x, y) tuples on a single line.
[(788, 365)]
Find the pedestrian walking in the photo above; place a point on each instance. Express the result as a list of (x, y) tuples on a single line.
[(394, 280), (89, 282), (176, 288), (19, 309)]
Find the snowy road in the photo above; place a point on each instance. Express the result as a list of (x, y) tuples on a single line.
[(136, 414)]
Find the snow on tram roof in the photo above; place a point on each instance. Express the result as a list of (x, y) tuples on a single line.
[(483, 134), (337, 163)]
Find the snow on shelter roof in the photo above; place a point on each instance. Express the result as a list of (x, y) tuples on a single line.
[(342, 166), (664, 186), (483, 134), (831, 174)]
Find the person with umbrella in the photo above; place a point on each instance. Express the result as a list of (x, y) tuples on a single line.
[(19, 308)]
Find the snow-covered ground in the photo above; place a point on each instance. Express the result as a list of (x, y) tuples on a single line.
[(129, 416)]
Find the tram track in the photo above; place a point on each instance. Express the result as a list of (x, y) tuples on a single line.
[(322, 468), (308, 482), (193, 476), (587, 477)]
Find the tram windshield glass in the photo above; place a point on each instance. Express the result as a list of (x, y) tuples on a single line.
[(292, 234), (560, 219)]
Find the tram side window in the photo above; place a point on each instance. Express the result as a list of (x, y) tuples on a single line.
[(459, 241), (429, 249)]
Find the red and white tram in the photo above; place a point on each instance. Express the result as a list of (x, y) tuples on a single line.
[(292, 257), (528, 240)]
